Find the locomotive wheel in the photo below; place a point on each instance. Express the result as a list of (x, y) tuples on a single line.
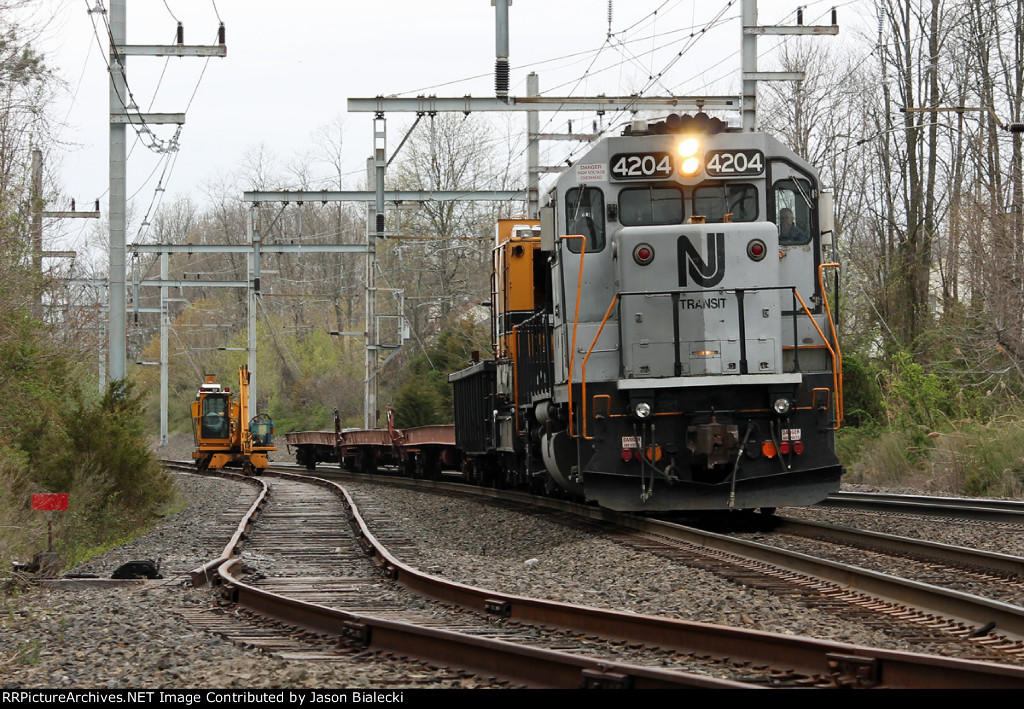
[(550, 487)]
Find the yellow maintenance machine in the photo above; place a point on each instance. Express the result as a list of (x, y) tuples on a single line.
[(517, 281), (222, 440)]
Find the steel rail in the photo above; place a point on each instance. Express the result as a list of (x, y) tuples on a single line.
[(529, 665), (1008, 619), (1001, 563), (989, 510), (849, 665)]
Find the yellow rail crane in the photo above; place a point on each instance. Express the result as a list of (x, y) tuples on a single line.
[(222, 441)]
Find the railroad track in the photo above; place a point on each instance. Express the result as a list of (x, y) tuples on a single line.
[(968, 626), (990, 510), (970, 610), (599, 640)]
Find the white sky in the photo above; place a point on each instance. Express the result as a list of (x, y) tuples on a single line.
[(291, 66)]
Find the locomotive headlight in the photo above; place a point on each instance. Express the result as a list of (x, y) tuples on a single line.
[(688, 147), (642, 410), (781, 405), (690, 166)]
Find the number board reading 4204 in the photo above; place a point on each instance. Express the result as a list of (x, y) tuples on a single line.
[(641, 166), (730, 163)]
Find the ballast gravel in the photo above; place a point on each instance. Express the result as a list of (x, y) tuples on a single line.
[(132, 637), (128, 635)]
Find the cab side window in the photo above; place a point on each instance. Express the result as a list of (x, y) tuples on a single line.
[(584, 214), (793, 211)]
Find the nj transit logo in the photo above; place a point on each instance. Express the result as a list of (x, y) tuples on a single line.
[(705, 274)]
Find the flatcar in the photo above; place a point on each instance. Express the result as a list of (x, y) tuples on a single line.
[(421, 451), (663, 336), (224, 434)]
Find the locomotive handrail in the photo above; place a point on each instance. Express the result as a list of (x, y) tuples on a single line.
[(583, 368), (832, 351), (838, 364), (539, 316), (576, 316)]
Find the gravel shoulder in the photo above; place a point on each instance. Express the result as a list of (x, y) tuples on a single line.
[(128, 635)]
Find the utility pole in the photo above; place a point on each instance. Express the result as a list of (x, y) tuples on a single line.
[(751, 31), (38, 213), (374, 229), (123, 112)]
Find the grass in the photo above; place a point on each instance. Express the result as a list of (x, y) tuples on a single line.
[(966, 458)]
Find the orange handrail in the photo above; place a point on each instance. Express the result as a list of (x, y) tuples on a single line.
[(576, 319), (583, 367), (838, 360), (832, 351)]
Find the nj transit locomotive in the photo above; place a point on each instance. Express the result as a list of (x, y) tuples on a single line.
[(663, 338)]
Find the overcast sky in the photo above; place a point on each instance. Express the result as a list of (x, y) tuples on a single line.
[(291, 66)]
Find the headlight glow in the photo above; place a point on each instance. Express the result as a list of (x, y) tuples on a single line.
[(690, 166), (688, 147)]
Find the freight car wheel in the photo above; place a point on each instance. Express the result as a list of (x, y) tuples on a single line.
[(428, 467), (368, 463)]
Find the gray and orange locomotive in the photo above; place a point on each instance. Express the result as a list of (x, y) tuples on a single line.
[(663, 338)]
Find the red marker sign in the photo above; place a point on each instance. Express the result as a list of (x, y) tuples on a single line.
[(50, 502)]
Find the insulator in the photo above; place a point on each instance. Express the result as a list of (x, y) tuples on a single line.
[(220, 34), (1015, 127), (256, 284), (799, 15), (380, 223), (181, 34), (835, 17), (501, 73)]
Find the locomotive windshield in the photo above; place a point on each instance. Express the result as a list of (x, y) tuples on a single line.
[(645, 206), (714, 201)]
